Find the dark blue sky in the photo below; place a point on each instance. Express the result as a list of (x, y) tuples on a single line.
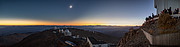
[(111, 12)]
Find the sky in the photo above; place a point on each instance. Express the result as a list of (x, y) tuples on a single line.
[(75, 12)]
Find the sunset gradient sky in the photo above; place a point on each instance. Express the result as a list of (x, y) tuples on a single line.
[(83, 12)]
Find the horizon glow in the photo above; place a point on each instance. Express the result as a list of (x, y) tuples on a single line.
[(75, 12)]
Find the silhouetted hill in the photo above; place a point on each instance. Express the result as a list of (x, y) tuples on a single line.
[(117, 31), (12, 38), (48, 39), (41, 39), (6, 30)]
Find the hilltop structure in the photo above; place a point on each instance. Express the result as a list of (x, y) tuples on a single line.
[(92, 42), (67, 33)]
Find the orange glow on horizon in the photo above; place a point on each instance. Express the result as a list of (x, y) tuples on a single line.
[(23, 22), (34, 22)]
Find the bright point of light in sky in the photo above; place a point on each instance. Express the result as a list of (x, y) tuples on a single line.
[(70, 6)]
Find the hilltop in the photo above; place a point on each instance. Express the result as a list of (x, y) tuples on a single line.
[(47, 38), (161, 32), (13, 38), (134, 38)]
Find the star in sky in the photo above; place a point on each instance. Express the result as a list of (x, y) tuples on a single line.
[(70, 6)]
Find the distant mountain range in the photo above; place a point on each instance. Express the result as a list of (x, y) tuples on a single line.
[(117, 31), (6, 30)]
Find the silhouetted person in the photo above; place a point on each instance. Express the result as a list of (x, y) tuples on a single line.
[(177, 11), (165, 11), (169, 10), (152, 15), (146, 18)]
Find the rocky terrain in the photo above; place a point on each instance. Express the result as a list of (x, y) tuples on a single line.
[(134, 38), (164, 25)]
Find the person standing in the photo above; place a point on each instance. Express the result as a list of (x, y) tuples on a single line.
[(152, 15), (165, 11), (177, 11), (169, 10)]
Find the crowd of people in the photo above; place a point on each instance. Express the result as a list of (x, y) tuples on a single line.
[(165, 11), (176, 11), (151, 17), (169, 11)]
